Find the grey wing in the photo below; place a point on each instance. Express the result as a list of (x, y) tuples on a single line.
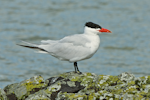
[(67, 51), (71, 48), (77, 39), (49, 41)]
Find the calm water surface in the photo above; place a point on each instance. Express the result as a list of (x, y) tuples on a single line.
[(127, 49)]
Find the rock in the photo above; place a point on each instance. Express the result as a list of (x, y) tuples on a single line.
[(76, 86), (2, 95), (21, 90)]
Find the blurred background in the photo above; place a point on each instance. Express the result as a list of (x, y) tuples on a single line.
[(127, 49)]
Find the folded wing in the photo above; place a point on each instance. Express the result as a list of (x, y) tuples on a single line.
[(70, 48)]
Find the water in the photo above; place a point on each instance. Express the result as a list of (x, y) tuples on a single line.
[(127, 49)]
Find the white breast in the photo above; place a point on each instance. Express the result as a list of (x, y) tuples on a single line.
[(94, 44)]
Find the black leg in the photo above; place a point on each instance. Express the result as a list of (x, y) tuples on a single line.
[(76, 67)]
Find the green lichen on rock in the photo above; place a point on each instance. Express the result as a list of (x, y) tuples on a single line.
[(2, 95), (34, 83), (23, 89), (71, 96), (80, 86)]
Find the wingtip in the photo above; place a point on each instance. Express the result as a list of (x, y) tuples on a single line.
[(18, 44)]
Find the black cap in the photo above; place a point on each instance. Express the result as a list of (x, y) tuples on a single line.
[(92, 25)]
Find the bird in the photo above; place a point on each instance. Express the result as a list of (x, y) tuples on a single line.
[(72, 48)]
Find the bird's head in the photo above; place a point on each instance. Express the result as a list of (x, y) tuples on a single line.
[(91, 27)]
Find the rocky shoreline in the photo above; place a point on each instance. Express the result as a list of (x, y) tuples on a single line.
[(75, 86)]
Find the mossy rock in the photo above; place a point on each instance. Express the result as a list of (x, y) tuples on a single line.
[(23, 89), (80, 86)]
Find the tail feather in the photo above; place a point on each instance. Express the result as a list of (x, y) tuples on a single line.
[(30, 43), (32, 47)]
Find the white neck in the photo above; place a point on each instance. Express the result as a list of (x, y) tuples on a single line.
[(92, 35), (92, 31)]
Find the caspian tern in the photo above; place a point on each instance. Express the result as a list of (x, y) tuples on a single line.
[(72, 48)]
